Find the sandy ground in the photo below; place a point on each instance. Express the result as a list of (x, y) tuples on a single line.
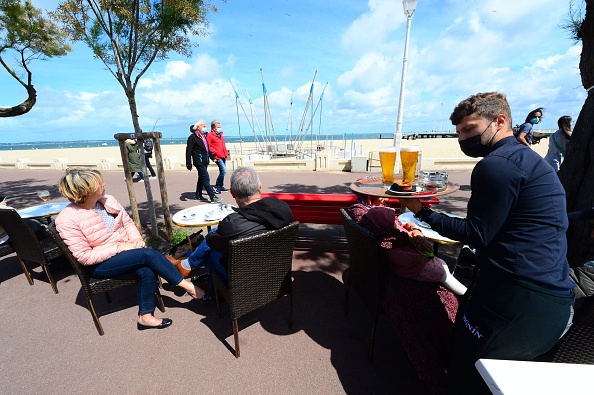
[(431, 148)]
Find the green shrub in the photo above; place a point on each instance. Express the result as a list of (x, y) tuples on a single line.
[(178, 235)]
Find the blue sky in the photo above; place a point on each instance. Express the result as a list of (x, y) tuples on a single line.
[(456, 48)]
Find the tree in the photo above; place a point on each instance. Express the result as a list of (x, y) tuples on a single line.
[(577, 171), (129, 35), (24, 31)]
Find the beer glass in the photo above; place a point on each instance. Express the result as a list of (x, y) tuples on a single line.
[(409, 155), (387, 161)]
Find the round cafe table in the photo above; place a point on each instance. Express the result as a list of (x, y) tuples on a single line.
[(373, 186), (42, 210), (202, 215)]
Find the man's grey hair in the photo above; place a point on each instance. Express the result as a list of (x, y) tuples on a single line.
[(245, 183)]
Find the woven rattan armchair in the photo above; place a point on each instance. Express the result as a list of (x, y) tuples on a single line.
[(6, 249), (27, 246), (94, 286), (259, 271), (365, 271)]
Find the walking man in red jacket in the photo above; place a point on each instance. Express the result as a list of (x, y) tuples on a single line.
[(218, 150)]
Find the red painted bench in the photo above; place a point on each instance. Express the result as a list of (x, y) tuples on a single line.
[(323, 208)]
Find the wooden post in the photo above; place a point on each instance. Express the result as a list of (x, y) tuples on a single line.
[(162, 184), (131, 193)]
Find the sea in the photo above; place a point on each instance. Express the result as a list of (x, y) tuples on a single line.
[(229, 139)]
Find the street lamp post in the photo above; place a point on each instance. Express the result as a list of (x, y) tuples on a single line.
[(409, 8)]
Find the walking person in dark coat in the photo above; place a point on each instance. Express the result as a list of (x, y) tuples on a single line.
[(134, 159), (148, 154), (197, 152)]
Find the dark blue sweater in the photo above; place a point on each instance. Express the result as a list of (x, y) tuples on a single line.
[(516, 217)]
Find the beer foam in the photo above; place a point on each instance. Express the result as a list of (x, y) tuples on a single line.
[(409, 148)]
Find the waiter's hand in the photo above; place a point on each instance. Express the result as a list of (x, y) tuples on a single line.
[(413, 205)]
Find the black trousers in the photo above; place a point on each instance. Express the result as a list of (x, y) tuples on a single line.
[(149, 167), (504, 318)]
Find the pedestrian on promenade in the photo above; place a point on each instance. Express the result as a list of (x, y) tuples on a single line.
[(522, 300), (526, 134), (198, 153), (218, 149), (148, 154), (103, 238), (558, 143), (134, 159)]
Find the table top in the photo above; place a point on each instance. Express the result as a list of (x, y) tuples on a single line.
[(427, 232), (202, 215), (528, 377), (42, 210), (373, 186)]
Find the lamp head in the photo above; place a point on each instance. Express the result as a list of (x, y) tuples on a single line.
[(409, 7)]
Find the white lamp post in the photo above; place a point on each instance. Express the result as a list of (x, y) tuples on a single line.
[(409, 8)]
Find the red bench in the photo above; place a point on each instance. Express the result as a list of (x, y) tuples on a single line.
[(323, 208)]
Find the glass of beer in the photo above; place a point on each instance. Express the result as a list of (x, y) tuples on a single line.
[(388, 162), (409, 155)]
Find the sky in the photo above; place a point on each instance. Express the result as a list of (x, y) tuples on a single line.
[(352, 51)]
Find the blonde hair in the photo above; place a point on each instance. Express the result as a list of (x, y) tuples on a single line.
[(76, 184), (213, 123)]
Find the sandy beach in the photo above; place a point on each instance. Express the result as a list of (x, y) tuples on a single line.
[(443, 148)]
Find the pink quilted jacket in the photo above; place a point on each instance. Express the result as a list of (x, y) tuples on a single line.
[(88, 237)]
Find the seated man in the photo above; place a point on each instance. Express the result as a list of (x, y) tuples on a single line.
[(253, 215)]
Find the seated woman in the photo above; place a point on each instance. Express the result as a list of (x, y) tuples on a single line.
[(406, 251), (103, 237), (417, 306)]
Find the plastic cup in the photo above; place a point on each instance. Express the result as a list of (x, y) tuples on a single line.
[(409, 155), (388, 162)]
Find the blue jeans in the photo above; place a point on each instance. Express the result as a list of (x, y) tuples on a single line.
[(221, 163), (204, 181), (146, 263), (204, 256)]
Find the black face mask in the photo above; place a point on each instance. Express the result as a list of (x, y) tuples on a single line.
[(474, 148)]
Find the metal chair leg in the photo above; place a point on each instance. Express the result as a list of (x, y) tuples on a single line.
[(26, 271), (290, 296), (236, 337), (50, 278), (372, 338), (95, 317), (160, 303), (346, 297), (217, 300)]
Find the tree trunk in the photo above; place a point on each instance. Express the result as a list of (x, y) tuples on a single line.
[(130, 94), (22, 108), (577, 171)]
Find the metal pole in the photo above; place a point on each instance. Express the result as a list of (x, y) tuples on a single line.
[(398, 134)]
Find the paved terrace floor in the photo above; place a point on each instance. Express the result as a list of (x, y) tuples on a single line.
[(50, 343)]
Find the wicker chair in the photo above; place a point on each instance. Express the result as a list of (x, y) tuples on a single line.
[(27, 246), (6, 249), (577, 345), (364, 271), (94, 286), (259, 271)]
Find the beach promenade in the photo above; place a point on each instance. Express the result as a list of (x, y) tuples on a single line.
[(50, 344), (436, 154)]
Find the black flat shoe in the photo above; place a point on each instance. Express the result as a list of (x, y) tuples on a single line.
[(164, 324)]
